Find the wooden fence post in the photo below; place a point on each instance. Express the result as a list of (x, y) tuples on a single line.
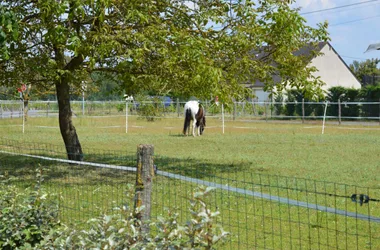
[(303, 110), (144, 180), (47, 109), (234, 112), (339, 112), (178, 108)]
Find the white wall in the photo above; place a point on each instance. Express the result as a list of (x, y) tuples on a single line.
[(333, 71), (260, 94)]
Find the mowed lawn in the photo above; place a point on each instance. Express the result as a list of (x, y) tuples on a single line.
[(347, 154)]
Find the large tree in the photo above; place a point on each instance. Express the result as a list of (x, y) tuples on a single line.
[(196, 48)]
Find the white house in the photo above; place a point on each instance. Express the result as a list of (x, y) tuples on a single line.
[(331, 69)]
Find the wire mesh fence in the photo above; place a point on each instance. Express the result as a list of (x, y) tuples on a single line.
[(260, 211)]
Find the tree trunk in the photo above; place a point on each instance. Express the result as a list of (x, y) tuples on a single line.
[(26, 108), (68, 132)]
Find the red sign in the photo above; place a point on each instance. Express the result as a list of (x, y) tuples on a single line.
[(22, 89)]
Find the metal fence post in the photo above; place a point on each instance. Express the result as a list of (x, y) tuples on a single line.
[(144, 180)]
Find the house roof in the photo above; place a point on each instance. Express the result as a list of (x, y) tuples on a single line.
[(308, 51)]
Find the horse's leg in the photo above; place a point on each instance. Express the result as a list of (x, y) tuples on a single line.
[(194, 126), (188, 128)]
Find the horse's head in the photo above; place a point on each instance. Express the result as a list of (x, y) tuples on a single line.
[(201, 123)]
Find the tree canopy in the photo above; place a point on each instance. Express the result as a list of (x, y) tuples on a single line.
[(367, 71), (195, 48)]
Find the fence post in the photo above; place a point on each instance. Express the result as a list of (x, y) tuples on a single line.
[(265, 110), (223, 118), (253, 107), (47, 109), (234, 112), (339, 112), (143, 188), (303, 110), (178, 107)]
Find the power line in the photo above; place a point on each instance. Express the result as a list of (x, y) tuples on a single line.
[(338, 7), (353, 21), (351, 57)]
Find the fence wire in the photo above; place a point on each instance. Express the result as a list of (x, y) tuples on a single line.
[(342, 111), (260, 211)]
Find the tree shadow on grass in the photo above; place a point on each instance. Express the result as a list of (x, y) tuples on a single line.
[(25, 167), (197, 168)]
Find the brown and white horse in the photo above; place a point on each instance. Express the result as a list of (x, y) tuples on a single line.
[(194, 112)]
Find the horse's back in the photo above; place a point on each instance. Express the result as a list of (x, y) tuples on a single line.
[(193, 106)]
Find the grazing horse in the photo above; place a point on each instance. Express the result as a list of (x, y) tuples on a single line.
[(194, 112)]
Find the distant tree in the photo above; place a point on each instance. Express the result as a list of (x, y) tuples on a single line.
[(366, 71), (192, 48)]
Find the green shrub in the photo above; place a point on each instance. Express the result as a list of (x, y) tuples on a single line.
[(279, 108), (25, 216), (344, 95), (148, 108), (27, 221), (295, 108), (370, 93), (126, 232), (120, 107)]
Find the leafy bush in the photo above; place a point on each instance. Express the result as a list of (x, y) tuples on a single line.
[(297, 98), (345, 95), (120, 107), (148, 108), (370, 93), (28, 221), (25, 217), (126, 232), (279, 108)]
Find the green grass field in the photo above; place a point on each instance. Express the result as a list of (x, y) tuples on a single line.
[(344, 160), (343, 154)]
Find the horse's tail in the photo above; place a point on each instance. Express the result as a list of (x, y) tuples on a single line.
[(187, 120)]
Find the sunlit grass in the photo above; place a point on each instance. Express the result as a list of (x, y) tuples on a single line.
[(344, 154)]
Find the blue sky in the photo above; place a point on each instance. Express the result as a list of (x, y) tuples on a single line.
[(351, 28)]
